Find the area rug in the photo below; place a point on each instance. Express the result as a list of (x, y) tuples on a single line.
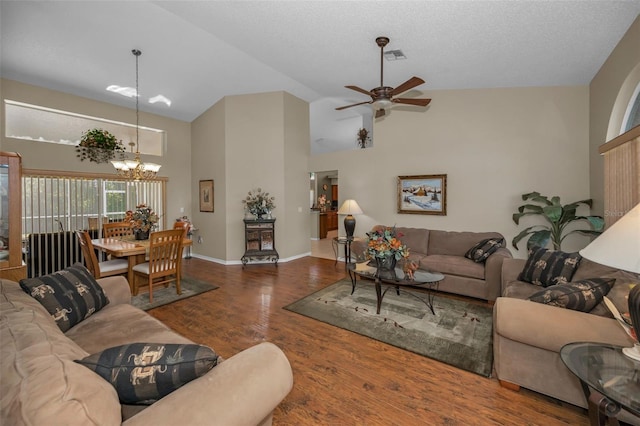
[(459, 334), (163, 296)]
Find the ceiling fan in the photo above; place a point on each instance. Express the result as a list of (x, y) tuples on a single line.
[(383, 97)]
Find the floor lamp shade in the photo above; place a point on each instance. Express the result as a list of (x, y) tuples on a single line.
[(350, 207)]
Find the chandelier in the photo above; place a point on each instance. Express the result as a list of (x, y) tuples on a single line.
[(135, 169)]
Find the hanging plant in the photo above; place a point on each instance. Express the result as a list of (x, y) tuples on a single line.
[(363, 138), (99, 146)]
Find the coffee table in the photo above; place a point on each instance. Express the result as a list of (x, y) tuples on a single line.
[(610, 380), (422, 279)]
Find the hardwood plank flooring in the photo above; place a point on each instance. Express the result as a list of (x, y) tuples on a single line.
[(342, 378)]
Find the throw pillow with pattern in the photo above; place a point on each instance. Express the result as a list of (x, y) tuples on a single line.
[(581, 295), (142, 373), (70, 295), (485, 248), (548, 267)]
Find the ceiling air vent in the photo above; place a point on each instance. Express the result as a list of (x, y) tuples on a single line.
[(394, 55)]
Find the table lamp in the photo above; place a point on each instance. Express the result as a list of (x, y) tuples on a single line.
[(619, 247), (350, 207)]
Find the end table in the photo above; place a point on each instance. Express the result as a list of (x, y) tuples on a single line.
[(610, 380)]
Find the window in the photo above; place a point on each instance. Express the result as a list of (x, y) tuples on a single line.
[(632, 115), (36, 123), (56, 206)]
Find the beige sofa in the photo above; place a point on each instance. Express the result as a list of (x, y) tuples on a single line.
[(528, 336), (443, 251), (42, 385)]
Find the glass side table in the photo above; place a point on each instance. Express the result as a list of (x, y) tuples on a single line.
[(609, 379)]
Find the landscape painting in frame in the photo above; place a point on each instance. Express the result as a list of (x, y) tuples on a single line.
[(422, 194)]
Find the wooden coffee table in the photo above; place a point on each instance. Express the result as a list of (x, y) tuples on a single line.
[(426, 280)]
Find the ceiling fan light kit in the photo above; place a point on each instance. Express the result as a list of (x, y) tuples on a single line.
[(382, 97)]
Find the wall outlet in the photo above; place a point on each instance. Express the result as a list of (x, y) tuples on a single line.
[(181, 209), (199, 240)]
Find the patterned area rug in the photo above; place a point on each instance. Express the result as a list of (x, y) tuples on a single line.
[(459, 334), (163, 296)]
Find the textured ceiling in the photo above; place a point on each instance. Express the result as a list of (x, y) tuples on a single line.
[(196, 52)]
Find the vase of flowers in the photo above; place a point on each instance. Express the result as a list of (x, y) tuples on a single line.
[(143, 220), (99, 146), (385, 249), (259, 203)]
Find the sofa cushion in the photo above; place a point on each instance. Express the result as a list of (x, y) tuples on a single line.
[(548, 267), (619, 293), (456, 243), (485, 248), (142, 373), (453, 265), (581, 295), (40, 382), (416, 239), (69, 295)]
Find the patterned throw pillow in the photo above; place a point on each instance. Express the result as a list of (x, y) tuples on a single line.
[(142, 373), (547, 267), (581, 295), (70, 295), (485, 248)]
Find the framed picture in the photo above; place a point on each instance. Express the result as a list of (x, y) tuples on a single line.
[(422, 194), (206, 196)]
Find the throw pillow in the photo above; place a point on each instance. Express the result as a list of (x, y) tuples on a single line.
[(142, 373), (547, 267), (485, 248), (581, 295), (70, 295)]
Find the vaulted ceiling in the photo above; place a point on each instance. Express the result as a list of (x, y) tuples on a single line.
[(197, 52)]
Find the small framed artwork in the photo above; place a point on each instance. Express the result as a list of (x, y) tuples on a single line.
[(422, 194), (206, 196)]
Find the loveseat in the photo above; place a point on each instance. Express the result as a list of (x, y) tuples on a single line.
[(444, 252), (42, 385), (528, 336)]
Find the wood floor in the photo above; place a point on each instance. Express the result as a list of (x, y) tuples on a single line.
[(342, 378)]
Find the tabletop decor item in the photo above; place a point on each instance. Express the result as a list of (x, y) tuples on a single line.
[(363, 138), (385, 248), (99, 146), (259, 203), (143, 220)]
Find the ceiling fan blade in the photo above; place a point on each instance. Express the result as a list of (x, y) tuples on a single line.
[(409, 84), (380, 113), (410, 101), (358, 89), (352, 105)]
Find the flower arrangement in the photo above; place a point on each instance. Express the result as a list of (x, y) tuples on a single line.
[(363, 137), (99, 146), (384, 242), (143, 219), (259, 203), (322, 201)]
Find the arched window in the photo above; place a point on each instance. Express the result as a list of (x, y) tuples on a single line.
[(632, 114)]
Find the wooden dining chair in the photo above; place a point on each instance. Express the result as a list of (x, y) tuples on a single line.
[(116, 229), (165, 259), (99, 269)]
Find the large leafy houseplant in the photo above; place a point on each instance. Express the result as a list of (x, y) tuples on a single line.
[(99, 146), (558, 217)]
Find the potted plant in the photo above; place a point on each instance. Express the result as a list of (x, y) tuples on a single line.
[(558, 217), (143, 221), (99, 146)]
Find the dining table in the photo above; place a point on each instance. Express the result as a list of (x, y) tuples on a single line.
[(127, 246)]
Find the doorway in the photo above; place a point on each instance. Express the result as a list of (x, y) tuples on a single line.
[(323, 200)]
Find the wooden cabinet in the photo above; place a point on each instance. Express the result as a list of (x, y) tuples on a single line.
[(259, 240), (11, 265), (332, 221), (328, 221), (334, 193)]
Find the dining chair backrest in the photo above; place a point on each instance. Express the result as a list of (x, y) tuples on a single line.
[(90, 258), (182, 225), (116, 229), (165, 252)]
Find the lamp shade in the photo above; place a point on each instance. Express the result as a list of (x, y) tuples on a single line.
[(619, 245), (350, 207)]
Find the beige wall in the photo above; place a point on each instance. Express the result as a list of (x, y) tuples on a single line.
[(494, 145), (48, 156), (609, 94), (247, 142)]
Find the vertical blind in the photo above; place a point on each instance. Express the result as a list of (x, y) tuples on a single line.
[(54, 207)]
